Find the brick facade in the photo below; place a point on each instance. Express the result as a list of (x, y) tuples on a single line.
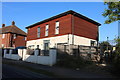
[(85, 29), (18, 41), (69, 24), (64, 28), (12, 36)]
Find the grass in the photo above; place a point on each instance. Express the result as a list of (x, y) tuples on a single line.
[(73, 62)]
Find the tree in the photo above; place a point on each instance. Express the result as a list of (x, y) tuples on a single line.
[(116, 56), (112, 12), (105, 44)]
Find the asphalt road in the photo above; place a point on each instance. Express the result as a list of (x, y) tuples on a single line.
[(9, 71)]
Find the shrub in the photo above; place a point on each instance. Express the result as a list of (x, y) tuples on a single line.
[(116, 57)]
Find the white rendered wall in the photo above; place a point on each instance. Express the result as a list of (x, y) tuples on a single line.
[(11, 56), (83, 41), (53, 41), (22, 53), (45, 60), (60, 39)]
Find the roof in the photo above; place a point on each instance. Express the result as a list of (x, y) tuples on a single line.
[(63, 14), (12, 29)]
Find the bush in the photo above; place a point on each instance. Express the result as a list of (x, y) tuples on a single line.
[(116, 57), (116, 60)]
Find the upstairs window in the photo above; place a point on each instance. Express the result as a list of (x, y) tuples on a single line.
[(38, 32), (3, 35), (46, 30), (14, 36), (25, 38), (57, 27)]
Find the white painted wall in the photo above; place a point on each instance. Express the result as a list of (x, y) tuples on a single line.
[(82, 41), (45, 60), (15, 57), (60, 39), (53, 41), (30, 58), (22, 53), (10, 55)]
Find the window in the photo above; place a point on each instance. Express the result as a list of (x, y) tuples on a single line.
[(2, 45), (14, 36), (31, 46), (25, 38), (92, 43), (57, 27), (38, 32), (3, 35), (46, 30), (37, 46)]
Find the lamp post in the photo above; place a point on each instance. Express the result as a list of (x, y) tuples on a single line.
[(107, 43), (119, 29)]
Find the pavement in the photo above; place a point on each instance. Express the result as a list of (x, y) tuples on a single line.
[(58, 71)]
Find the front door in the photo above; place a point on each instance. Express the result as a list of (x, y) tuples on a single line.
[(46, 44), (46, 47)]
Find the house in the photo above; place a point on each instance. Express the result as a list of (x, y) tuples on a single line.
[(67, 28), (12, 36)]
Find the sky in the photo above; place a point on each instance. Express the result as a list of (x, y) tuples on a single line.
[(27, 13)]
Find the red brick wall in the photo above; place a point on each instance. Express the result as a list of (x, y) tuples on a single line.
[(19, 41), (0, 40), (64, 28), (81, 28), (85, 29), (6, 40)]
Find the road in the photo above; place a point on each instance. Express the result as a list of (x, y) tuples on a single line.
[(9, 71)]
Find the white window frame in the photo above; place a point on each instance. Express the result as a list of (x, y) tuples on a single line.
[(46, 30), (57, 27), (3, 36), (25, 38), (38, 32), (14, 36), (2, 45)]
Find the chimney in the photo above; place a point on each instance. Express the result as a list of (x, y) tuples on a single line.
[(3, 25), (13, 23)]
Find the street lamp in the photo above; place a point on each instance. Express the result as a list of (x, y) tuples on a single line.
[(107, 43)]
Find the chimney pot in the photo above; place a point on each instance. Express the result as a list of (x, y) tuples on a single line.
[(13, 23), (3, 25)]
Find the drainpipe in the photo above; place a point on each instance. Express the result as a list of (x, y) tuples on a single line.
[(11, 40), (98, 37), (73, 28), (68, 39)]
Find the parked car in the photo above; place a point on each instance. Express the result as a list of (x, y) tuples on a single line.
[(16, 49), (20, 47)]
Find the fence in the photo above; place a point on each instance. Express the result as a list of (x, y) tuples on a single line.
[(87, 52), (34, 58), (74, 49)]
